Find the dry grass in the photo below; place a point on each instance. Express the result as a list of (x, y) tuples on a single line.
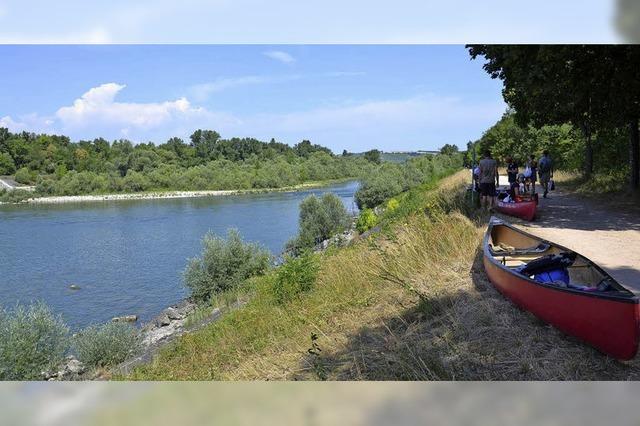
[(412, 303)]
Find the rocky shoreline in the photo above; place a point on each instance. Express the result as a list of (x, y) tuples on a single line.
[(164, 328)]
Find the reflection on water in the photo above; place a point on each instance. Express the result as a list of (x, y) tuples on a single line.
[(127, 256)]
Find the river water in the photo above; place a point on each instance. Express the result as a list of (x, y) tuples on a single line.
[(127, 256)]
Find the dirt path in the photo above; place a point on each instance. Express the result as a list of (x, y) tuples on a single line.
[(605, 232)]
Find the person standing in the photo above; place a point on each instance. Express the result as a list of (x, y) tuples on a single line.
[(545, 169), (512, 170), (532, 165), (512, 173), (488, 180)]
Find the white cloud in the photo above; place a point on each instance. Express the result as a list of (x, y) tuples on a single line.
[(419, 111), (97, 113), (98, 105), (203, 91), (27, 123), (11, 124), (425, 122), (279, 55)]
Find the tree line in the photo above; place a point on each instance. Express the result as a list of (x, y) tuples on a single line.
[(571, 97), (58, 166)]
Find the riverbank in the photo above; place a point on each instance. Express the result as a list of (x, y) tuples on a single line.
[(59, 199), (409, 303)]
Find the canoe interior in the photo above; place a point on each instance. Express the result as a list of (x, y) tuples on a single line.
[(513, 248)]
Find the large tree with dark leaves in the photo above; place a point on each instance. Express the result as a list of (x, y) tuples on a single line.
[(593, 87)]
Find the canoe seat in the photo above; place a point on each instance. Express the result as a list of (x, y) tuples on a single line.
[(506, 250)]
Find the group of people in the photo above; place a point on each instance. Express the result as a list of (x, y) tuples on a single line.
[(486, 177)]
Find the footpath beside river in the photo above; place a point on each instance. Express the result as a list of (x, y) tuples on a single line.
[(606, 232)]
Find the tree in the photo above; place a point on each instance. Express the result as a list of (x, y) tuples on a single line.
[(205, 141), (594, 87), (449, 149), (373, 156), (320, 219), (7, 166)]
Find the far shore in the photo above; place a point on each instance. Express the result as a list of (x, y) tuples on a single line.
[(173, 194)]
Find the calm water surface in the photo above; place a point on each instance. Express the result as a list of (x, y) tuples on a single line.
[(127, 256)]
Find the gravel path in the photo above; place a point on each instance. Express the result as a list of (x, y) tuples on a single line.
[(607, 233)]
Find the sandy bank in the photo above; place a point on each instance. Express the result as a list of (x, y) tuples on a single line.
[(173, 194)]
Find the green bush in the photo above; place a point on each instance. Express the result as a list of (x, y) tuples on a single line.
[(320, 219), (374, 191), (107, 345), (366, 220), (224, 264), (23, 175), (297, 275), (390, 179), (7, 166), (32, 340), (15, 195), (392, 204)]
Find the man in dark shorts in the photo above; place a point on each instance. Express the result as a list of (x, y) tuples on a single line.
[(512, 175), (488, 180), (532, 164), (545, 170), (512, 170)]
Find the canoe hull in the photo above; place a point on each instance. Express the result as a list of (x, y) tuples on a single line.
[(609, 325), (524, 209)]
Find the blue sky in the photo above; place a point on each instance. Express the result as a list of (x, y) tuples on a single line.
[(400, 97)]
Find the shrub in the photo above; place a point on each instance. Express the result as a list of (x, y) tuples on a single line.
[(320, 219), (32, 340), (366, 220), (15, 195), (374, 191), (23, 175), (107, 345), (392, 204), (135, 182), (224, 264), (297, 275), (7, 166)]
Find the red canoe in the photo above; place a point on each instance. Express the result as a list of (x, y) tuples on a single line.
[(525, 209), (591, 305)]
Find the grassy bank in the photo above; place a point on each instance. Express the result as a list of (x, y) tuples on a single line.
[(409, 303)]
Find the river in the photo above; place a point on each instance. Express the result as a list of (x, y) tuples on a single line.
[(127, 256)]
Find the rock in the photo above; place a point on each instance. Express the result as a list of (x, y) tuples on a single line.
[(125, 318), (73, 366), (74, 287), (174, 314), (163, 320)]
